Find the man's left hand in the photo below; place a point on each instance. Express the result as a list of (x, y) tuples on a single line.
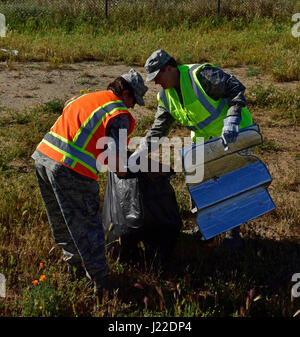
[(230, 130)]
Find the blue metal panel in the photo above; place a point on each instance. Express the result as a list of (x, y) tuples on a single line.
[(233, 212), (234, 188), (229, 185)]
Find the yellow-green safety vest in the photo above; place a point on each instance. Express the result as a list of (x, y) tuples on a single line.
[(199, 112)]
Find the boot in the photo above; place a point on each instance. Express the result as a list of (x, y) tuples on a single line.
[(106, 284), (233, 240), (76, 272)]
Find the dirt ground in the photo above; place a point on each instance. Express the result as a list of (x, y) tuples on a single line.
[(25, 85), (28, 84)]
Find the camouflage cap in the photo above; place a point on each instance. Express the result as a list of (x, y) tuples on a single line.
[(137, 83), (155, 62)]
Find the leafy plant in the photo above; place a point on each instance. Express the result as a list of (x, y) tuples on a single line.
[(54, 106), (41, 299)]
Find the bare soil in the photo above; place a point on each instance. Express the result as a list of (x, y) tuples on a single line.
[(25, 85), (28, 84)]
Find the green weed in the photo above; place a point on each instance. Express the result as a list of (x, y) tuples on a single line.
[(251, 71), (54, 106), (65, 33), (286, 101), (41, 299), (268, 146)]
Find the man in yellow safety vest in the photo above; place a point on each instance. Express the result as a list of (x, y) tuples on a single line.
[(201, 97)]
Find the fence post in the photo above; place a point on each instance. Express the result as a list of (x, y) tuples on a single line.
[(2, 286), (219, 7), (106, 8), (2, 26)]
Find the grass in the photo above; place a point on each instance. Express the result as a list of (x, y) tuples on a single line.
[(60, 33), (285, 104), (251, 71), (254, 283), (210, 286)]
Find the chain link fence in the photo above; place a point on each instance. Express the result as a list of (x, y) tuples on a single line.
[(191, 11), (220, 7), (226, 7)]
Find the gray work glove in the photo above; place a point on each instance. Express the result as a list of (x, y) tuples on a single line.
[(230, 130)]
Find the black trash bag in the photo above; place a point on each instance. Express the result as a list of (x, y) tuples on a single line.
[(141, 208)]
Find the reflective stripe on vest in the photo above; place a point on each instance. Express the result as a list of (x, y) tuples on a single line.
[(84, 134), (72, 100), (214, 113), (74, 151), (69, 150), (163, 98)]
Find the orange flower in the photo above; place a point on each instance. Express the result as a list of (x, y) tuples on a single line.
[(53, 275), (35, 282), (41, 264), (43, 278)]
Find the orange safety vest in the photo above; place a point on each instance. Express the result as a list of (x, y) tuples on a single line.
[(72, 139)]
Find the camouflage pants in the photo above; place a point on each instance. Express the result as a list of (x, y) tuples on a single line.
[(73, 209)]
